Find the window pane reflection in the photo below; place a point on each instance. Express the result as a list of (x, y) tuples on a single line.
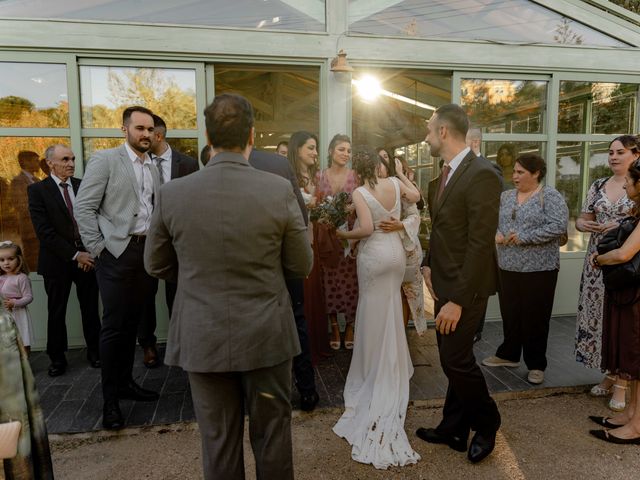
[(21, 165), (572, 160), (33, 95), (504, 154), (608, 108), (496, 20), (106, 91), (505, 106), (284, 99), (261, 14)]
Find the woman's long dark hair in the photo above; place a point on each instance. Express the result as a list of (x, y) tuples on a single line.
[(365, 164), (297, 140)]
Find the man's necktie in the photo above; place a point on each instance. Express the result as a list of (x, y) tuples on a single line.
[(443, 180), (159, 161), (67, 200)]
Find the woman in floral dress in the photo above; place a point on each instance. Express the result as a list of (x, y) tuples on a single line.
[(340, 281), (606, 204)]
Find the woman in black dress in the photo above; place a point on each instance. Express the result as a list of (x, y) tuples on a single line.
[(621, 330)]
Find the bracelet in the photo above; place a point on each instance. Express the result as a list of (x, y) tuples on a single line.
[(595, 261)]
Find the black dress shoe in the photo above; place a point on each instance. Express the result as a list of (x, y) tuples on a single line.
[(111, 416), (309, 402), (603, 421), (431, 435), (94, 359), (607, 437), (481, 446), (133, 391), (57, 368)]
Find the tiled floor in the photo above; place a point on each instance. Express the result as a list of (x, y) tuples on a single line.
[(73, 402)]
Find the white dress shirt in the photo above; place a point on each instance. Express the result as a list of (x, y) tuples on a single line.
[(141, 166), (72, 196), (164, 165), (456, 161)]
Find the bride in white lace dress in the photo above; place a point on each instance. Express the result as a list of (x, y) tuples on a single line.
[(376, 392)]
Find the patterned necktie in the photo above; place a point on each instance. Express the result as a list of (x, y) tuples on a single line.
[(67, 200), (443, 180), (159, 161)]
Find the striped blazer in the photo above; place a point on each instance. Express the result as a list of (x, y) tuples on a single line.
[(108, 201)]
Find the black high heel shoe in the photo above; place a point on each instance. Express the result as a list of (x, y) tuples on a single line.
[(607, 437), (603, 421)]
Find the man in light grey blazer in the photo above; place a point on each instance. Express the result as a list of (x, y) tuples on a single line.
[(113, 211), (231, 234)]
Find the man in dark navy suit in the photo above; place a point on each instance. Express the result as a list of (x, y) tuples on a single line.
[(63, 259), (171, 164), (302, 366)]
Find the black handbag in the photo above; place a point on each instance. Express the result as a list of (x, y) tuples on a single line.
[(622, 275)]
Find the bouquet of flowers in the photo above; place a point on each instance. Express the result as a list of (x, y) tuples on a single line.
[(332, 211), (328, 216)]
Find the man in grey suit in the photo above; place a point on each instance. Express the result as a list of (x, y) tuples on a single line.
[(113, 211), (171, 164), (232, 327)]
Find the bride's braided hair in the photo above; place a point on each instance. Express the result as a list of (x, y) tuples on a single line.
[(365, 163)]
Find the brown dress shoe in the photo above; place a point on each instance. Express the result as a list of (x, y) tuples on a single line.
[(150, 357)]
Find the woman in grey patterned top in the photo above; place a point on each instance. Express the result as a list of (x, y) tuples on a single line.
[(533, 219)]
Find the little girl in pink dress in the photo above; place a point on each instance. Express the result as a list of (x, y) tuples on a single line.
[(15, 289)]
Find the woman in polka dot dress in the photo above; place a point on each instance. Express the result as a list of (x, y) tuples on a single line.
[(341, 281)]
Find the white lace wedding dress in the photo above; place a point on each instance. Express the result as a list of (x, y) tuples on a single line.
[(376, 392)]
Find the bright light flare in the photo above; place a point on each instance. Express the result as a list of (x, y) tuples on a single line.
[(369, 88)]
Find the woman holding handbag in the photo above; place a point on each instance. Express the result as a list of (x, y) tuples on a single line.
[(621, 328), (606, 205)]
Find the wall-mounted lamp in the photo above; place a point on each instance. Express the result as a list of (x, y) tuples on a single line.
[(339, 64)]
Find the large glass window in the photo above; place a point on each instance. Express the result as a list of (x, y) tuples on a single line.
[(284, 99), (496, 20), (605, 108), (21, 164), (590, 115), (33, 95), (105, 91), (389, 110), (260, 14), (505, 106)]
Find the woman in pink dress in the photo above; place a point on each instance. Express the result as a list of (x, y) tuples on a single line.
[(340, 281)]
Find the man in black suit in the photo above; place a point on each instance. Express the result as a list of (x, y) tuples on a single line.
[(302, 366), (63, 259), (461, 272), (171, 164)]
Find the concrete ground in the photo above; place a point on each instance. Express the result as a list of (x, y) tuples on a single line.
[(544, 436)]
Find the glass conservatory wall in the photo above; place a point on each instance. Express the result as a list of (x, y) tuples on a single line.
[(518, 21), (308, 15)]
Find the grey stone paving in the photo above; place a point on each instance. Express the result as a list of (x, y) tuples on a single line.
[(73, 402)]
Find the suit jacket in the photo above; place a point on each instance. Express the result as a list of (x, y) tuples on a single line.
[(53, 225), (182, 165), (279, 165), (229, 235), (108, 201), (462, 251)]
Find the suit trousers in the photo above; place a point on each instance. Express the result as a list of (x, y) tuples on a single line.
[(302, 366), (220, 400), (147, 328), (58, 288), (468, 405), (125, 287), (526, 302)]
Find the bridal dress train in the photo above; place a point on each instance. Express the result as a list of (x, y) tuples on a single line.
[(376, 392)]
